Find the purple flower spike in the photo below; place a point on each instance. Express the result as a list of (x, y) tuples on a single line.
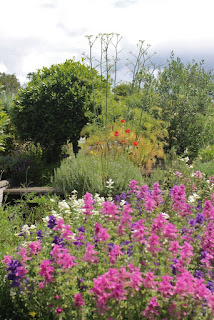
[(51, 222)]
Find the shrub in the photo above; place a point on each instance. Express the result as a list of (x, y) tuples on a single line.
[(90, 173), (55, 106)]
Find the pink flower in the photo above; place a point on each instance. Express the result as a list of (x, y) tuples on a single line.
[(78, 300), (110, 209), (156, 194), (151, 309), (198, 174), (6, 259), (90, 254), (88, 200), (23, 253), (114, 253), (62, 257), (178, 174), (46, 271), (35, 247), (165, 286), (41, 285), (133, 185), (59, 310), (148, 281), (100, 233), (139, 232)]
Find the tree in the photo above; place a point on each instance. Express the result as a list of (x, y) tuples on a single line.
[(10, 82), (186, 102), (55, 106)]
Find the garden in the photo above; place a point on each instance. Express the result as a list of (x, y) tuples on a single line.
[(132, 234)]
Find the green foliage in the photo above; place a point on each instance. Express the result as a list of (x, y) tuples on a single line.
[(55, 106), (10, 83), (3, 122), (185, 98), (25, 166), (90, 173)]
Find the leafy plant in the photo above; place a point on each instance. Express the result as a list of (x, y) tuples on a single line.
[(55, 106), (90, 173)]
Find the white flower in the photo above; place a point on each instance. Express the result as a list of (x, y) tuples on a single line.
[(192, 198), (32, 227), (63, 206), (122, 203), (109, 184), (81, 140), (25, 230), (52, 200), (165, 215)]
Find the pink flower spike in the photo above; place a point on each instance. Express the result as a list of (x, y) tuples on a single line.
[(6, 259), (88, 200), (35, 247), (78, 300)]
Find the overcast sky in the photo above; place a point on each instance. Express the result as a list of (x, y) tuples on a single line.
[(37, 33)]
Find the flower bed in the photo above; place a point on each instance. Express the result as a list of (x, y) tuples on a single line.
[(146, 255)]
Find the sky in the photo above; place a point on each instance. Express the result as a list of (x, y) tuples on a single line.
[(39, 33)]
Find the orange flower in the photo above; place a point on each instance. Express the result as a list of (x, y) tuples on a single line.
[(135, 143), (122, 120), (99, 142), (128, 131), (116, 134)]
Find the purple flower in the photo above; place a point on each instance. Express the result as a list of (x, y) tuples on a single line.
[(78, 242), (51, 222), (203, 254), (198, 274), (210, 286), (110, 246), (123, 196), (117, 199), (192, 223), (184, 230), (199, 218), (39, 234), (81, 229), (13, 268), (59, 241)]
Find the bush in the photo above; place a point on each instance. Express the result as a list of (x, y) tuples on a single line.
[(90, 173), (54, 107)]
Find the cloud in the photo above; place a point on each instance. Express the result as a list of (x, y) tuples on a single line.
[(124, 3), (49, 4), (71, 33)]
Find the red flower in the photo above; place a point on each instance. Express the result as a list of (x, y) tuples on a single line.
[(122, 120), (99, 142), (135, 143), (122, 141), (128, 131), (116, 134)]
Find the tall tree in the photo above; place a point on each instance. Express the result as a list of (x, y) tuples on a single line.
[(55, 106), (186, 101)]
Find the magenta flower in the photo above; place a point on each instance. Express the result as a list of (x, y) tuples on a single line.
[(88, 200), (35, 247), (62, 257), (151, 309), (90, 254), (100, 233), (110, 209), (78, 300), (46, 271)]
